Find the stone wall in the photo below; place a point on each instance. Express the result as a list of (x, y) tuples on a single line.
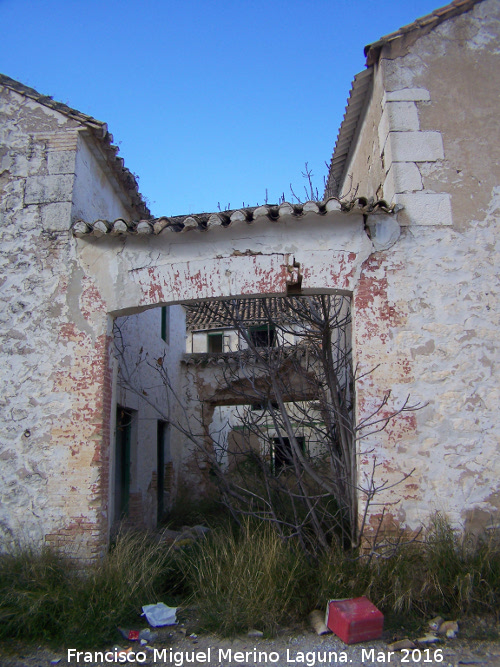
[(56, 392), (426, 304), (424, 286)]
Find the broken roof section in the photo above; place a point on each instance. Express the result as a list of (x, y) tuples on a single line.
[(360, 92), (99, 131)]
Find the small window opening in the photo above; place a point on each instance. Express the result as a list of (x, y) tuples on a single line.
[(215, 342), (263, 336), (283, 455)]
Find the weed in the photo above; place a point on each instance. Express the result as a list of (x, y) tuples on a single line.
[(449, 573), (246, 580), (32, 588), (44, 597), (241, 579)]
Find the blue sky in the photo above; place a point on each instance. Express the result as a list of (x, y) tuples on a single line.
[(211, 102)]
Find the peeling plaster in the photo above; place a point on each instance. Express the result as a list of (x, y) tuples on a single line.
[(425, 289)]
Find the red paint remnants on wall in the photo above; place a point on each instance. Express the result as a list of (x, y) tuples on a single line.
[(91, 300), (154, 288), (87, 382), (336, 272)]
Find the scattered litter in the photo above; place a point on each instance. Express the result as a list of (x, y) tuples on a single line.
[(355, 620), (255, 633), (193, 636), (435, 623), (122, 652), (317, 620), (427, 639), (448, 628), (131, 635), (183, 631), (147, 636), (56, 661), (159, 614), (401, 644), (438, 628)]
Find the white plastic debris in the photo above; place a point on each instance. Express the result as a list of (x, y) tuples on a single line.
[(159, 614)]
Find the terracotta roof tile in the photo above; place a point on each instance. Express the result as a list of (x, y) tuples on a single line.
[(204, 222), (219, 314), (354, 110), (249, 311)]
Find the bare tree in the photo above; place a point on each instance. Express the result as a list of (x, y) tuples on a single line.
[(292, 457)]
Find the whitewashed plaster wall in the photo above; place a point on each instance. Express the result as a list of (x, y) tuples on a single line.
[(244, 259), (435, 124), (34, 496), (56, 382), (94, 196), (328, 251), (143, 356)]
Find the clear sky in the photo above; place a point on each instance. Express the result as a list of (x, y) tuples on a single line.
[(211, 101)]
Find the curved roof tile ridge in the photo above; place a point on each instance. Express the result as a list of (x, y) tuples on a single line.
[(356, 102), (204, 222)]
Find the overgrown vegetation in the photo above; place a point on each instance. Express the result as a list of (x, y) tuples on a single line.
[(254, 579), (285, 451), (243, 578), (43, 596), (247, 579)]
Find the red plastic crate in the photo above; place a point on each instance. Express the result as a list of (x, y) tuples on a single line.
[(355, 620)]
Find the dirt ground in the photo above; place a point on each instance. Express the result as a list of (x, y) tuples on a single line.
[(477, 646)]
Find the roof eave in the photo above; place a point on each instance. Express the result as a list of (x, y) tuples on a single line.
[(356, 105), (125, 180), (425, 23)]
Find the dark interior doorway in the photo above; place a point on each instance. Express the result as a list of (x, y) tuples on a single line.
[(163, 457), (124, 419), (283, 452)]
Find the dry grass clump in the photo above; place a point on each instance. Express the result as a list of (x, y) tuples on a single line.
[(447, 572), (254, 579), (239, 579), (245, 579), (44, 597)]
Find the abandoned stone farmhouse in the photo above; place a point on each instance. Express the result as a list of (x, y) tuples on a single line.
[(111, 366)]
